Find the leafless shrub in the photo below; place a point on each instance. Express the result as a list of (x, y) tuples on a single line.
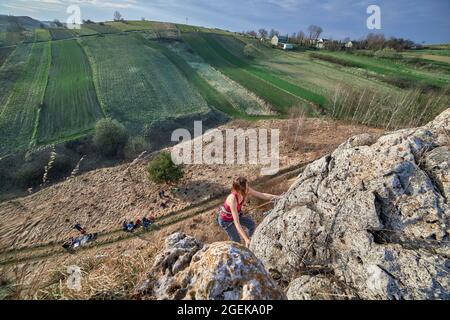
[(293, 129), (390, 111), (49, 166)]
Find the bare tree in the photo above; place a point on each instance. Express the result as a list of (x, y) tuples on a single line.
[(301, 37), (293, 37), (263, 33), (314, 32), (375, 41), (117, 16), (273, 33)]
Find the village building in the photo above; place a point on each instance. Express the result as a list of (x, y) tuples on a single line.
[(281, 42), (320, 43)]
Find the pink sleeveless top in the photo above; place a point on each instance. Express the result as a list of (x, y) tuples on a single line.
[(227, 216)]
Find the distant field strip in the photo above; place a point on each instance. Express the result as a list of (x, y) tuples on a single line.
[(130, 26), (70, 105), (391, 68), (102, 28), (84, 31), (4, 54), (61, 34), (279, 99), (42, 35), (138, 84), (11, 70), (17, 120)]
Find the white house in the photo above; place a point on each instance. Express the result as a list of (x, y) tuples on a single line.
[(320, 44), (274, 41), (281, 42), (349, 45)]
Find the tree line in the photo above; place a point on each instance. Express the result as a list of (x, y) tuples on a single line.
[(373, 41)]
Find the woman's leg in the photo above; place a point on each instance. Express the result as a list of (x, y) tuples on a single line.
[(248, 223), (230, 229)]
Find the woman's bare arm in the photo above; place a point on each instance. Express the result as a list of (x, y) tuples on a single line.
[(262, 196)]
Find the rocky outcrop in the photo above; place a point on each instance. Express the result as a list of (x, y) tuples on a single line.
[(369, 221), (186, 269)]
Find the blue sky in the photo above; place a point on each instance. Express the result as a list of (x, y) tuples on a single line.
[(419, 20)]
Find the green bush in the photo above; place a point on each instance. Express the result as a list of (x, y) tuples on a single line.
[(109, 137), (162, 169), (135, 146), (388, 53)]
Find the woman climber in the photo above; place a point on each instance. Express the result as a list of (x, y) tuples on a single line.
[(231, 218)]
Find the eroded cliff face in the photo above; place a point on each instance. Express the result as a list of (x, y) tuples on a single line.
[(187, 269), (369, 221)]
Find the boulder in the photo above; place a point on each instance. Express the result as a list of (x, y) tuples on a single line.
[(316, 288), (187, 269), (369, 221)]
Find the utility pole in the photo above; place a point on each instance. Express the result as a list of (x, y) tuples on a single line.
[(187, 20)]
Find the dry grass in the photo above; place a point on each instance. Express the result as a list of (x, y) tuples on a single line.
[(410, 109), (101, 200)]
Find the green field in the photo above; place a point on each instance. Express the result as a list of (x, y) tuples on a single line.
[(387, 67), (70, 105), (214, 54), (242, 100), (19, 115), (84, 31), (4, 54), (61, 34), (11, 70), (101, 28), (137, 84), (43, 35), (212, 96), (129, 26)]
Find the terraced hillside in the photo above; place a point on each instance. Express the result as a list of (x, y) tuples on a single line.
[(137, 84), (56, 83)]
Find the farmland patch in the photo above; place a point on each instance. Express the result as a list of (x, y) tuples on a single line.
[(18, 119), (61, 34), (70, 105), (102, 28), (4, 54), (241, 99), (42, 35), (84, 31), (11, 70)]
